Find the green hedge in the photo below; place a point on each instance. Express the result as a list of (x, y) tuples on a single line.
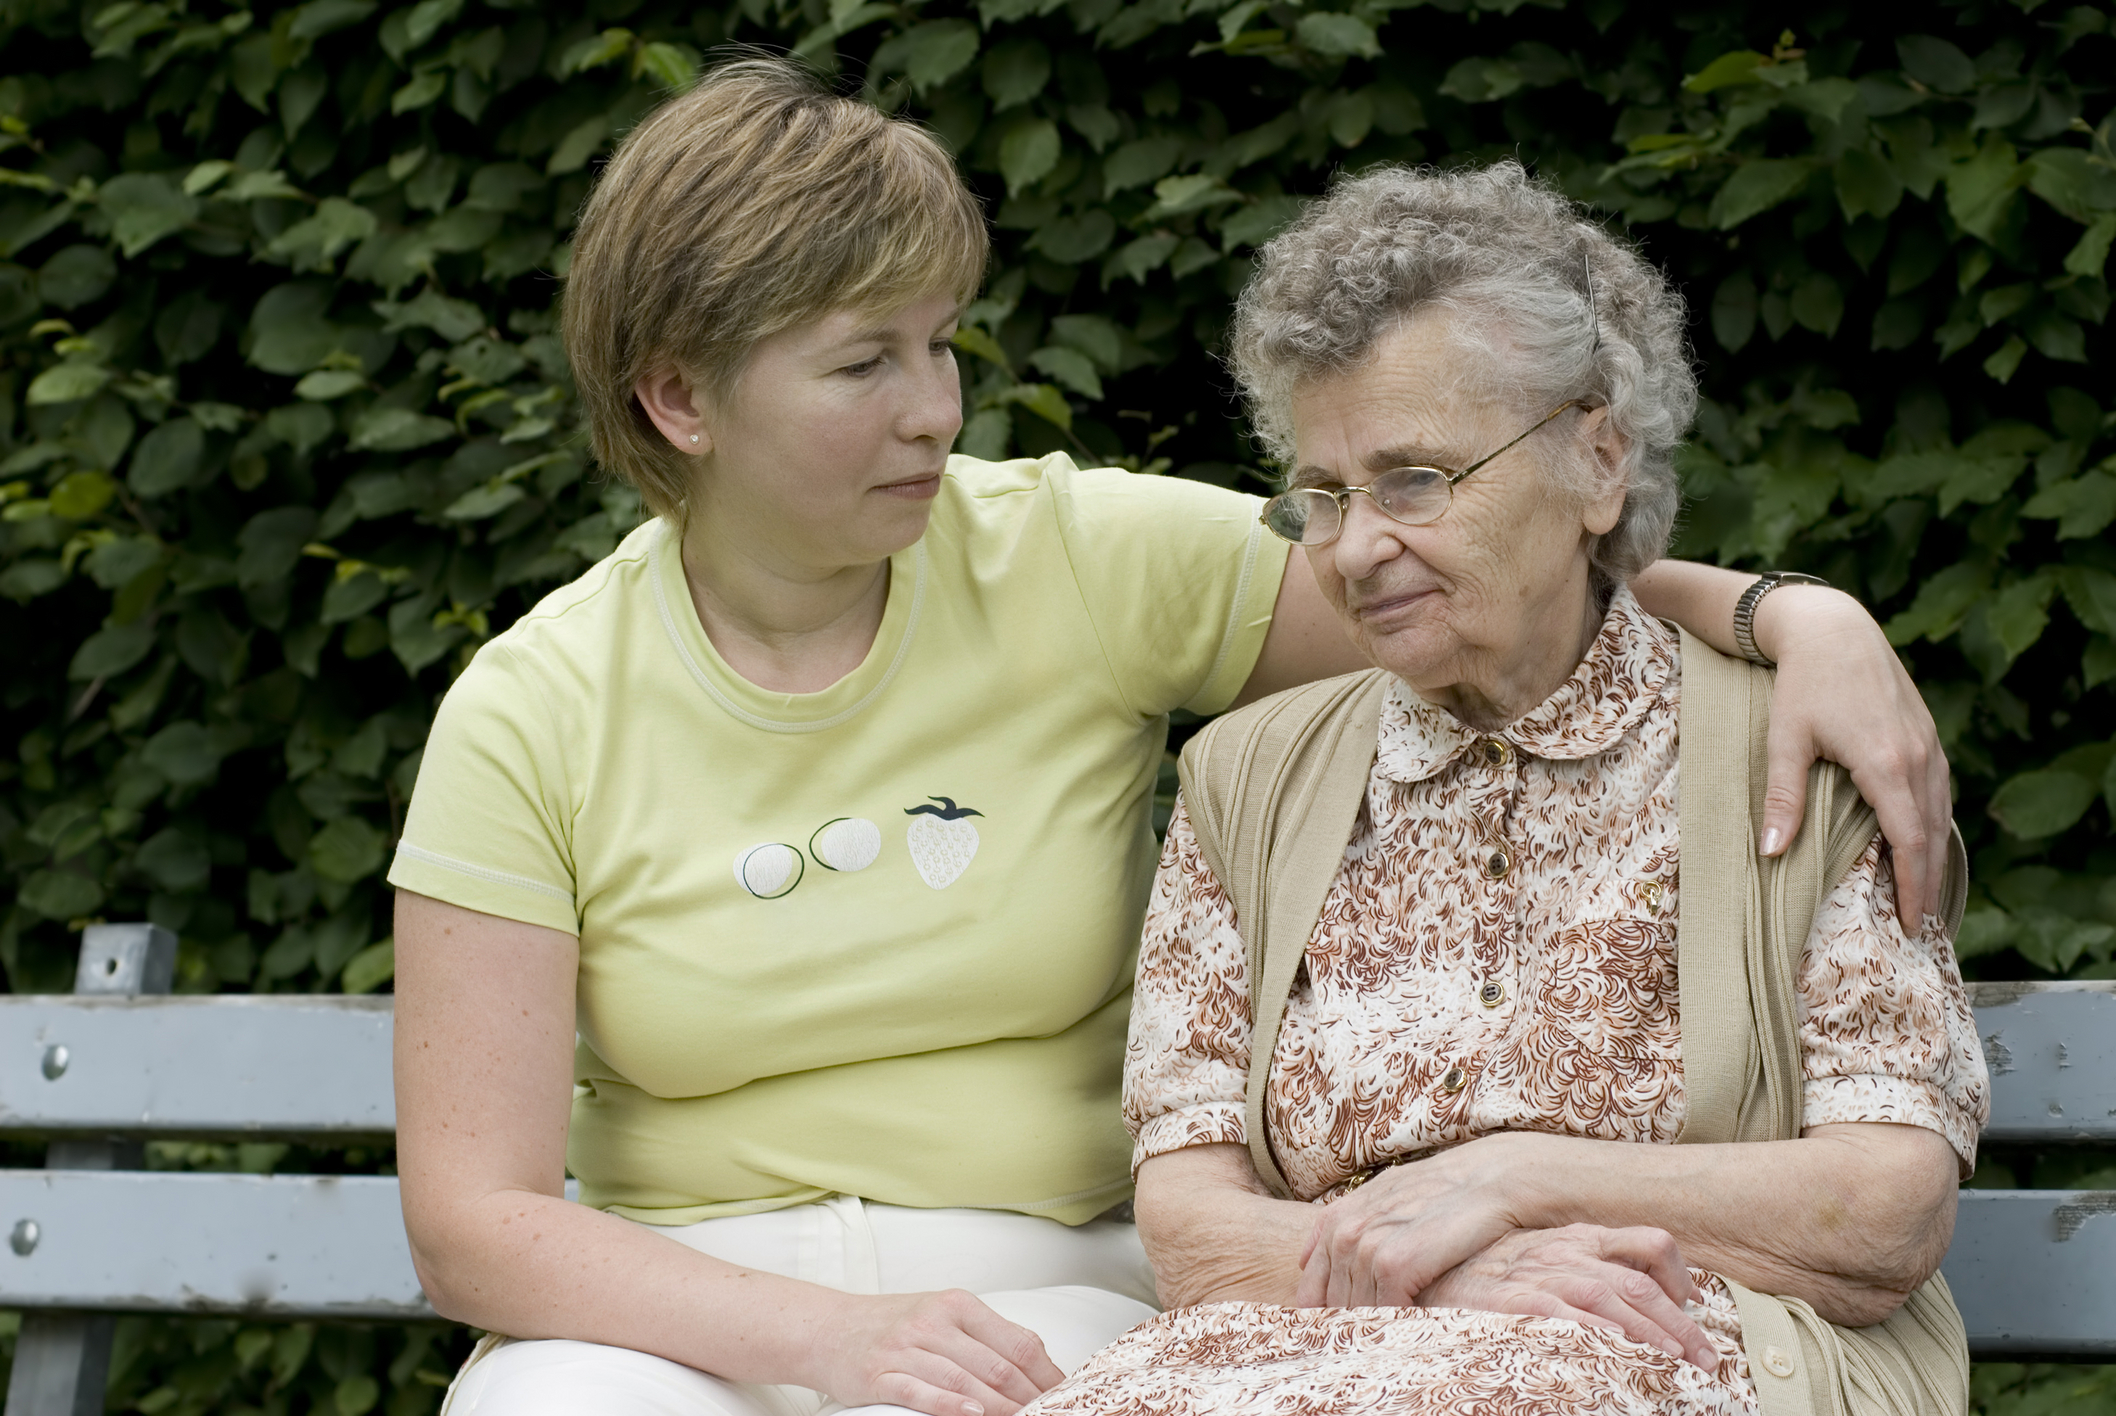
[(285, 432)]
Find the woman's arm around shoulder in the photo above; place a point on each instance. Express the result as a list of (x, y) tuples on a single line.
[(484, 1052)]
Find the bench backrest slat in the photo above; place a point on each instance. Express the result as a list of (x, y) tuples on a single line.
[(2051, 1050), (234, 1065)]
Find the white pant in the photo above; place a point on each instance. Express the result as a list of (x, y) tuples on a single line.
[(1076, 1288)]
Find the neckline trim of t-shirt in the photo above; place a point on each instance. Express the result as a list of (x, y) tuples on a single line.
[(661, 547)]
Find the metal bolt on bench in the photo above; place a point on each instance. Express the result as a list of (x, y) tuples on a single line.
[(119, 1062)]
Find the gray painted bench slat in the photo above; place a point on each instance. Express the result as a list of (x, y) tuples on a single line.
[(2034, 1273), (311, 1067), (2051, 1049), (313, 1246)]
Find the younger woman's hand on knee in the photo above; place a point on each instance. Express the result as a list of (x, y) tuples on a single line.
[(946, 1354), (1631, 1281)]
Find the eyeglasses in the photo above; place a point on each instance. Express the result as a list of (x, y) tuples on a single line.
[(1415, 496)]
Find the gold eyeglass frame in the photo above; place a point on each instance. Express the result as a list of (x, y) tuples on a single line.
[(1342, 496)]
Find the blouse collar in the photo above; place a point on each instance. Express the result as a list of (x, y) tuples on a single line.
[(1627, 670)]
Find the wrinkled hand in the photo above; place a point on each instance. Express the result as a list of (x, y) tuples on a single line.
[(946, 1354), (1842, 694), (1630, 1281), (1384, 1243)]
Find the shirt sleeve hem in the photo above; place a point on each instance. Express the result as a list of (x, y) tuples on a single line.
[(1248, 621), (1207, 1123), (1890, 1101), (481, 888)]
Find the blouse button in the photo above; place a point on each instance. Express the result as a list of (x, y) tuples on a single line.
[(1778, 1363), (1492, 994), (1454, 1080), (1652, 892), (1498, 863), (1497, 752)]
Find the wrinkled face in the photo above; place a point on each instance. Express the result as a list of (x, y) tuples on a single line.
[(1462, 600), (829, 450)]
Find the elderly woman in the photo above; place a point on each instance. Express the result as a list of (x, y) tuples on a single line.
[(1474, 1036), (780, 877)]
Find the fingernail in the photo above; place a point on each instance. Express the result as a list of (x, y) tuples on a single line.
[(1773, 840), (973, 1408), (1672, 1348)]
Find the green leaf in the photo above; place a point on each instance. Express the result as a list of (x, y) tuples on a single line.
[(1093, 335), (372, 967), (111, 651), (422, 90), (144, 208), (1482, 80), (174, 859), (1738, 67), (347, 850), (1139, 162), (2092, 595), (1866, 185), (1139, 258), (1069, 240), (67, 383), (327, 384), (2081, 506), (481, 502), (672, 67), (1936, 63), (1755, 188), (454, 320), (76, 276), (579, 144), (288, 332), (270, 543), (2038, 804), (1940, 604), (321, 17), (1980, 189), (2091, 256), (929, 54), (1043, 400), (300, 426), (60, 894), (1339, 36), (1257, 223), (2019, 613), (398, 430), (1028, 152), (1179, 196), (1071, 368), (187, 753), (426, 19), (1818, 303), (595, 51), (974, 340), (2007, 358), (167, 459), (1015, 72)]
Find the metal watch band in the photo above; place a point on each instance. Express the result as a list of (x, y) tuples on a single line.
[(1745, 609)]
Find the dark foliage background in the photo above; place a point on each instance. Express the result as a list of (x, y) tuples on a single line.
[(285, 433)]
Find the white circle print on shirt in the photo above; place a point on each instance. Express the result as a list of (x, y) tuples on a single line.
[(848, 843), (769, 870), (942, 842)]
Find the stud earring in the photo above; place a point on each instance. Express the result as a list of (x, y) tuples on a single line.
[(694, 437)]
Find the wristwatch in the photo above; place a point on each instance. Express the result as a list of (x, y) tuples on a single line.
[(1745, 609)]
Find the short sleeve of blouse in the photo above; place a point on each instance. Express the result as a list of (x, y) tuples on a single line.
[(488, 827), (1179, 579)]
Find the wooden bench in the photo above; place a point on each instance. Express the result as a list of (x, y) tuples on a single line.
[(116, 1063)]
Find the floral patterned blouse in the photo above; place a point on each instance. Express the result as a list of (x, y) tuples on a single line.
[(1498, 953)]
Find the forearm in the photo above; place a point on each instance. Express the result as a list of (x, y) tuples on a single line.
[(533, 1265), (1701, 598), (1850, 1218), (1214, 1233)]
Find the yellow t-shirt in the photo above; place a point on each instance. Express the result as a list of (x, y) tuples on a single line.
[(875, 940)]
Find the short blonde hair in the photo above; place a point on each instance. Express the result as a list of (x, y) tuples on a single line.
[(752, 204)]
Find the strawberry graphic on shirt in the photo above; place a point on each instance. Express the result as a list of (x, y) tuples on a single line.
[(941, 841)]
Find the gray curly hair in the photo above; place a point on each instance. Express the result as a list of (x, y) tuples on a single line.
[(1496, 243)]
